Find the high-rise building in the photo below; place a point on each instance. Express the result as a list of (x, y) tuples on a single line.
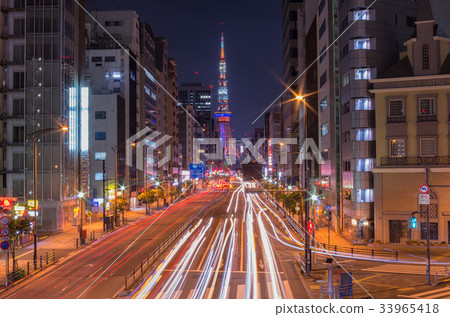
[(42, 55), (223, 113)]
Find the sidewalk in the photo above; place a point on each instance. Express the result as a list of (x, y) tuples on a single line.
[(64, 242)]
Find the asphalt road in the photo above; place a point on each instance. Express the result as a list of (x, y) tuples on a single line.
[(98, 270), (241, 249)]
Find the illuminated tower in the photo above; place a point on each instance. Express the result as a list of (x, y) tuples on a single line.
[(223, 114)]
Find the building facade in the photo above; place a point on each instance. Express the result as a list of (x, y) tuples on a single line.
[(412, 106)]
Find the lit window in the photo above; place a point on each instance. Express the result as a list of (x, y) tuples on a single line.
[(98, 176), (426, 107), (100, 135), (425, 57), (116, 75), (147, 90), (364, 165), (361, 15), (363, 104), (362, 44), (396, 108), (362, 73), (428, 147), (364, 195), (397, 148), (100, 156), (364, 135), (323, 104), (324, 129)]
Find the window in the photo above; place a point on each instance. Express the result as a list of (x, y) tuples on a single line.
[(109, 59), (293, 34), (323, 54), (113, 23), (396, 108), (321, 6), (324, 129), (345, 79), (428, 147), (364, 134), (363, 104), (324, 154), (18, 80), (364, 195), (18, 107), (346, 108), (361, 44), (100, 115), (433, 231), (345, 23), (425, 57), (100, 156), (323, 104), (98, 176), (97, 59), (292, 15), (323, 79), (322, 29), (345, 50), (347, 166), (100, 135), (346, 136), (293, 52), (18, 134), (18, 187), (364, 165), (18, 161), (362, 73), (397, 148), (410, 21), (426, 107), (361, 15)]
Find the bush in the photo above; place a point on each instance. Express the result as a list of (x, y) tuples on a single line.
[(443, 243), (17, 274)]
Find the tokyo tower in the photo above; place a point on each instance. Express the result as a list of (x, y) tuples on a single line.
[(223, 114)]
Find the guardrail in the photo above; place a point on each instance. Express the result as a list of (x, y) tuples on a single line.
[(19, 272), (138, 272), (336, 250), (441, 275)]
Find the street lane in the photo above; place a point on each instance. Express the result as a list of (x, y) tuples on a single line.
[(240, 249), (97, 271)]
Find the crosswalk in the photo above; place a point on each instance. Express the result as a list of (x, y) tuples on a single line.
[(441, 293), (233, 292), (405, 268)]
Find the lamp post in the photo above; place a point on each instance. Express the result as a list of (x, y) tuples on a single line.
[(115, 148), (80, 196), (33, 136)]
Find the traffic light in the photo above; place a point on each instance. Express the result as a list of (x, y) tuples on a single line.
[(414, 222), (310, 227)]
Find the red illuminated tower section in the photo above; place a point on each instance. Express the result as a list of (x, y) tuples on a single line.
[(223, 113)]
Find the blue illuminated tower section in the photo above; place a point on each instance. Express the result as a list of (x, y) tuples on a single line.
[(223, 113)]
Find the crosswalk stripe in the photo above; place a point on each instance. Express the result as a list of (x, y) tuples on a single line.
[(287, 289), (439, 295), (403, 268), (428, 292), (240, 291)]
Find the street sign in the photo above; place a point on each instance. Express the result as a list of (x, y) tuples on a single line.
[(197, 170), (424, 189), (330, 208), (424, 199), (4, 221), (4, 232), (4, 245)]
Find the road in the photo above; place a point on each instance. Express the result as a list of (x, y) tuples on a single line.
[(98, 270), (241, 249)]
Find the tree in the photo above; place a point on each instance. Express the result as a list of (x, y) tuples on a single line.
[(17, 228), (122, 207)]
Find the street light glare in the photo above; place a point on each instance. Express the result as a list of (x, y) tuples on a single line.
[(299, 97), (65, 129)]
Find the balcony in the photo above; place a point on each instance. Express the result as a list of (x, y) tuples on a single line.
[(429, 118), (415, 161), (396, 119)]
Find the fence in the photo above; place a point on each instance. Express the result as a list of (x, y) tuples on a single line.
[(439, 276), (138, 272), (20, 272)]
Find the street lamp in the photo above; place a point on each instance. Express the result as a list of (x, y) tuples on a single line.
[(80, 196), (33, 136)]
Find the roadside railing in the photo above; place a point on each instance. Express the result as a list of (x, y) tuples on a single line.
[(340, 250), (138, 272), (19, 272), (439, 276)]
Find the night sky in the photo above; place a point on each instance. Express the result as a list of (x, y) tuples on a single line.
[(252, 47)]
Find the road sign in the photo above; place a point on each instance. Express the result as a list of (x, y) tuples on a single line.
[(330, 208), (4, 232), (4, 245), (424, 189), (424, 199), (4, 221), (197, 170)]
